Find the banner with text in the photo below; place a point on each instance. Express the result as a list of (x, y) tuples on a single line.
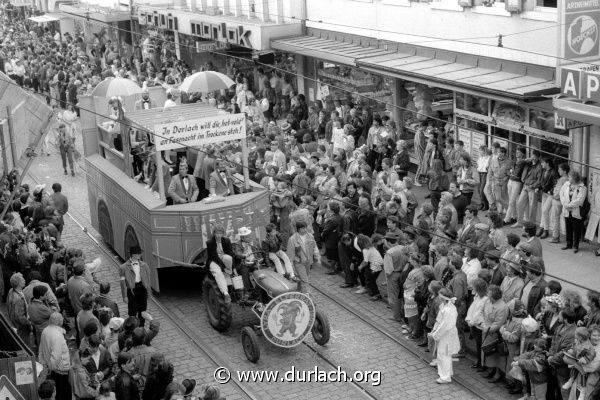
[(198, 132)]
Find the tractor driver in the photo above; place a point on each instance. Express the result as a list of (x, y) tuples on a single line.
[(220, 258)]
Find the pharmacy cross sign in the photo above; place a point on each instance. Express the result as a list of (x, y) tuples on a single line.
[(8, 391)]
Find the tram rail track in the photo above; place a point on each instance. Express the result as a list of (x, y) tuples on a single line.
[(458, 379), (182, 326), (200, 344)]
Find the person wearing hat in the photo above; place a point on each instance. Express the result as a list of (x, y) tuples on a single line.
[(111, 341), (498, 271), (135, 284), (36, 212), (512, 284), (77, 286), (303, 252), (535, 284)]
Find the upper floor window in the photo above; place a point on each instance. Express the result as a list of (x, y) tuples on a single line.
[(546, 3)]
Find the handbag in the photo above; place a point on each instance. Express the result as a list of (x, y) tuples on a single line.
[(490, 344)]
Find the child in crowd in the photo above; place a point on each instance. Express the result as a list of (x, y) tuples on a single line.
[(582, 351), (272, 248), (370, 267), (536, 365), (105, 393)]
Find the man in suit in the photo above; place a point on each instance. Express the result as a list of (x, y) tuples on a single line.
[(220, 258), (135, 284), (183, 188), (145, 103), (221, 181), (100, 359), (207, 167)]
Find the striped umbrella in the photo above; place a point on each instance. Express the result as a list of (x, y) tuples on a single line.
[(206, 81), (116, 87)]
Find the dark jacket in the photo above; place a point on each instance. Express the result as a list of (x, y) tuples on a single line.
[(563, 340), (125, 387), (271, 245), (366, 223), (535, 295), (349, 221), (532, 175), (548, 181), (332, 231), (211, 250), (103, 301)]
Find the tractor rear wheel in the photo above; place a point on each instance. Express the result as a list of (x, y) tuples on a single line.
[(320, 329), (250, 344), (218, 310)]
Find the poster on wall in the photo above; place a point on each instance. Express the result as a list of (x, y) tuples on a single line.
[(465, 136), (478, 140), (23, 372)]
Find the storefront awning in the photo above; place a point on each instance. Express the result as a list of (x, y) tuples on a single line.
[(329, 50), (577, 111), (91, 13), (456, 71), (21, 3), (40, 19), (441, 68)]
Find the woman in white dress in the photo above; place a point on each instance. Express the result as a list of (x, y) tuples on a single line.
[(445, 334)]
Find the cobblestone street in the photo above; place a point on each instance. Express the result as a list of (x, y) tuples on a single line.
[(354, 344)]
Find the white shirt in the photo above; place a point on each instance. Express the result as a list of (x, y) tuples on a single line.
[(471, 268), (463, 176), (186, 183), (169, 103), (136, 270), (483, 163), (96, 358), (372, 256)]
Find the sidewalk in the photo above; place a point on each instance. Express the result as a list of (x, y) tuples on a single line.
[(581, 269)]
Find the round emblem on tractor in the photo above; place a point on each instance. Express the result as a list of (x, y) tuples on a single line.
[(287, 319)]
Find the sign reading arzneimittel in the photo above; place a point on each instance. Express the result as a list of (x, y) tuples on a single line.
[(198, 132), (581, 23)]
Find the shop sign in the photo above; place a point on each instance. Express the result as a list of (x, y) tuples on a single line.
[(222, 32), (565, 123), (581, 84), (581, 36)]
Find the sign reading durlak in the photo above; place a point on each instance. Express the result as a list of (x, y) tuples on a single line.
[(198, 132)]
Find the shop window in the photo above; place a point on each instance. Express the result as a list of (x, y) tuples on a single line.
[(474, 104), (544, 121), (339, 83), (557, 152), (509, 139), (508, 114), (547, 3)]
